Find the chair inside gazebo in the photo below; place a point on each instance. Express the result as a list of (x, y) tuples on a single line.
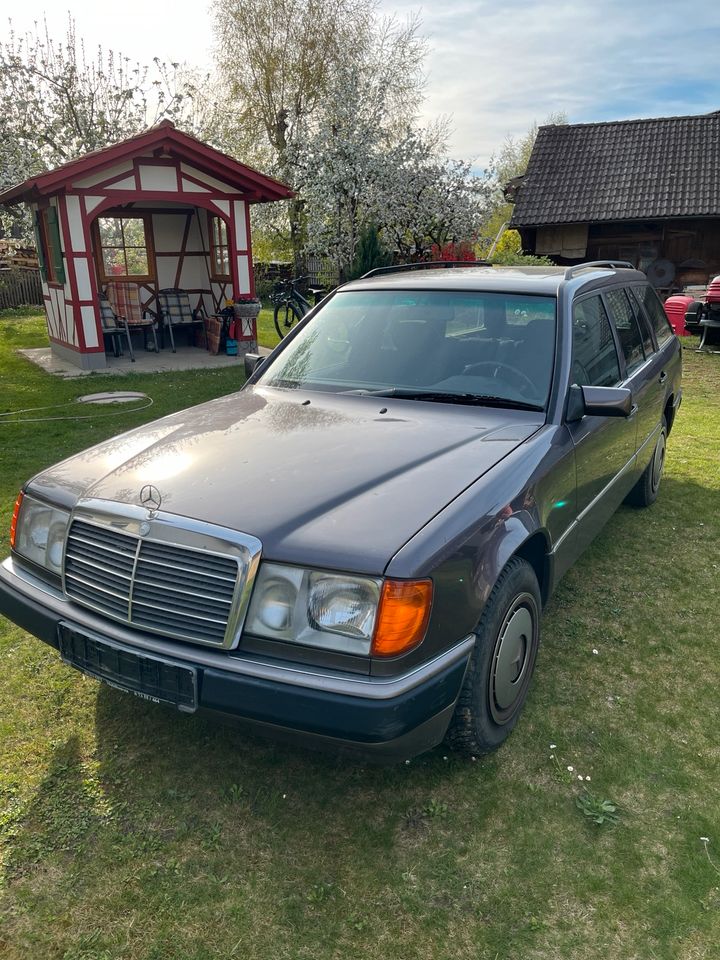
[(165, 264)]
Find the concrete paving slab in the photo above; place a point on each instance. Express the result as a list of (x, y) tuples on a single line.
[(146, 361)]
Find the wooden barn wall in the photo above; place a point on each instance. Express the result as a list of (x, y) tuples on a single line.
[(692, 245)]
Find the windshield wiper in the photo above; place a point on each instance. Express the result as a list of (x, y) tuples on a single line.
[(439, 396)]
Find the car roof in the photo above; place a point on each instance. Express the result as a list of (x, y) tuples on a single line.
[(528, 280)]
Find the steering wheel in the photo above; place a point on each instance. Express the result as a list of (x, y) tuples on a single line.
[(496, 365)]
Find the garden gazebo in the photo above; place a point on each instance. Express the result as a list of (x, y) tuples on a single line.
[(161, 209)]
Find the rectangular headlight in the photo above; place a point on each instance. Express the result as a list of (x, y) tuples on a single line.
[(367, 616), (314, 608), (343, 605), (40, 533)]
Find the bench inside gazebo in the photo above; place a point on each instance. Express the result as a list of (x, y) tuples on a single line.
[(151, 231)]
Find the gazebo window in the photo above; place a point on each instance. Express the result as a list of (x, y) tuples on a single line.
[(123, 248), (219, 249), (47, 236)]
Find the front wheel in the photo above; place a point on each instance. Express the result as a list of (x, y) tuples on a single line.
[(502, 663), (286, 316)]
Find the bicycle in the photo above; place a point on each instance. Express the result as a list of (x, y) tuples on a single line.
[(290, 305)]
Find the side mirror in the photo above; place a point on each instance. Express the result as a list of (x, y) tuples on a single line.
[(598, 402), (252, 362)]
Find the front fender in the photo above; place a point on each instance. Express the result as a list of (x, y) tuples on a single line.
[(523, 506)]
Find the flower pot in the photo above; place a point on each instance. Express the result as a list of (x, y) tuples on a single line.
[(247, 308)]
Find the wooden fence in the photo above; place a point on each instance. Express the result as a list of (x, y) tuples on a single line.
[(322, 272), (19, 288)]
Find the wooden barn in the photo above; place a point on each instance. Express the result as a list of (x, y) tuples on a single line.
[(161, 210), (647, 191)]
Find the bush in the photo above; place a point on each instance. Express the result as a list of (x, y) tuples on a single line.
[(508, 253), (264, 287), (369, 253), (449, 252)]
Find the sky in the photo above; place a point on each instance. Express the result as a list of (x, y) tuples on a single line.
[(494, 68)]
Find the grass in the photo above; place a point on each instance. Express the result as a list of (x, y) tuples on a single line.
[(267, 334), (128, 832)]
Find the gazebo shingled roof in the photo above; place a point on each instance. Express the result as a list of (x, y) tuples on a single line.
[(164, 137)]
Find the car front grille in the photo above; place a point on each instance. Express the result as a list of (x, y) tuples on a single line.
[(162, 587)]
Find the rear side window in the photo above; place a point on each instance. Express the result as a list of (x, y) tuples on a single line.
[(628, 328), (595, 359), (644, 323), (654, 310)]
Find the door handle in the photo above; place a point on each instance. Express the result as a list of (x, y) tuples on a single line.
[(663, 377)]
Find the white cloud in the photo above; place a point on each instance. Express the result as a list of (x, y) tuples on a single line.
[(169, 29), (494, 67), (498, 67)]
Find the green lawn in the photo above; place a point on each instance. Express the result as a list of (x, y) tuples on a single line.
[(267, 334), (128, 831)]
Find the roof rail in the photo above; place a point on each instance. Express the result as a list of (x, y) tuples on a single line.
[(425, 265), (591, 264)]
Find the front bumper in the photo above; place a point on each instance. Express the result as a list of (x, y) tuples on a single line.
[(397, 717)]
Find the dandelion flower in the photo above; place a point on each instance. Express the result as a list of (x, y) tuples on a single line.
[(587, 778), (580, 777), (596, 652), (705, 839), (571, 769), (553, 746)]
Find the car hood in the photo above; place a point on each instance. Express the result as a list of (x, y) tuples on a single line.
[(324, 480)]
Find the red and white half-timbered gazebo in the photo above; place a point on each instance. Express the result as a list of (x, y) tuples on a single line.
[(161, 209)]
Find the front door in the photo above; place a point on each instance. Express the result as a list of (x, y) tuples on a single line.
[(604, 446)]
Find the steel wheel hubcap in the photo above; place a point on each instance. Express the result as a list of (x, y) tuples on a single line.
[(658, 462), (513, 658)]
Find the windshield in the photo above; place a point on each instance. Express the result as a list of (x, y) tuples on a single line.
[(492, 347)]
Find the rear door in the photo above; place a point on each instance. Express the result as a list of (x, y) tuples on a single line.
[(668, 365), (643, 373)]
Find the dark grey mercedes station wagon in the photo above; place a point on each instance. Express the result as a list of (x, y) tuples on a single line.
[(357, 546)]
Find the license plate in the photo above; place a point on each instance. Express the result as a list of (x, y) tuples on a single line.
[(145, 675)]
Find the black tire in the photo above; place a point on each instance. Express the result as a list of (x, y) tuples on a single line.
[(645, 491), (286, 315), (502, 663)]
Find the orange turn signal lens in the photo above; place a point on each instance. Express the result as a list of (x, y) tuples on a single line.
[(13, 522), (402, 616)]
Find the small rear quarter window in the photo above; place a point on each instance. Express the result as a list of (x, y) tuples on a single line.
[(654, 310)]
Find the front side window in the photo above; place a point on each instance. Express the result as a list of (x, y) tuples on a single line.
[(219, 249), (626, 324), (595, 358), (456, 345), (123, 248), (655, 312)]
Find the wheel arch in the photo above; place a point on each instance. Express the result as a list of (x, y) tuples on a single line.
[(535, 550), (670, 412)]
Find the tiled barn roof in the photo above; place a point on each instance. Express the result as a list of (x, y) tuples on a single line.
[(625, 170)]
